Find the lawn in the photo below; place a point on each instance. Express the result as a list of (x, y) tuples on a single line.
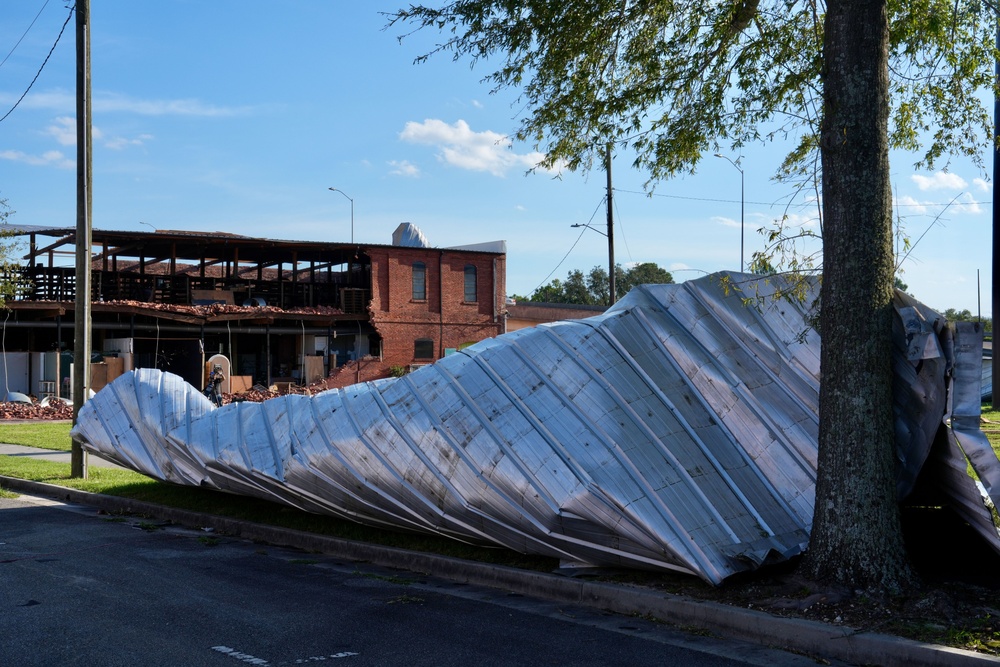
[(42, 434), (129, 484)]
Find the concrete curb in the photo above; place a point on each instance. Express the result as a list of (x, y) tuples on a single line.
[(808, 637)]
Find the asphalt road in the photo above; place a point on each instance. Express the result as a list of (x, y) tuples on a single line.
[(78, 588)]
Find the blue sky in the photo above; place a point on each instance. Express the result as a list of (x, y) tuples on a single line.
[(237, 116)]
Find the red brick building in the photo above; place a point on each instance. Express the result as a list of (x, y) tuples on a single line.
[(426, 302), (291, 312)]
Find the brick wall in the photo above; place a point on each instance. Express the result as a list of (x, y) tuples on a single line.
[(443, 317)]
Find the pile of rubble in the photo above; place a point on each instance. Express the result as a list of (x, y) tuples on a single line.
[(213, 309), (259, 393), (48, 410)]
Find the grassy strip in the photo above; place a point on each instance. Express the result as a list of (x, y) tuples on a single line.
[(41, 434), (129, 484)]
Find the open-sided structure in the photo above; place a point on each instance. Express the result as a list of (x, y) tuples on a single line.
[(281, 311)]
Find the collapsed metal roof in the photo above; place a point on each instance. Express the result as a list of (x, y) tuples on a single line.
[(677, 430)]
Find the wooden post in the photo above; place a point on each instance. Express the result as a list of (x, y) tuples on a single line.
[(84, 207)]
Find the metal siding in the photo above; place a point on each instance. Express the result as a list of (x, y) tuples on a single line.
[(678, 430)]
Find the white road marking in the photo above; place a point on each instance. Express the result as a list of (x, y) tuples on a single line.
[(321, 658), (242, 657)]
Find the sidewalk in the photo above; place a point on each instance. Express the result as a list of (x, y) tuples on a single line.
[(51, 455), (825, 642)]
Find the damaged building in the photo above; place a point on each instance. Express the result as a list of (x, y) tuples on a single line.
[(280, 313)]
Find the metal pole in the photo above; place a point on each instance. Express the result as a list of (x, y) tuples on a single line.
[(352, 209), (742, 226), (742, 201), (84, 206), (612, 294)]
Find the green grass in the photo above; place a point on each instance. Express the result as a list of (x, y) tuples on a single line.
[(129, 484), (992, 430), (42, 434)]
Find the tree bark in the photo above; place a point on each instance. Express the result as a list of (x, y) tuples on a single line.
[(856, 536)]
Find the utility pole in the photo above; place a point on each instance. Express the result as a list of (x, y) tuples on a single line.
[(84, 207), (611, 231), (996, 214)]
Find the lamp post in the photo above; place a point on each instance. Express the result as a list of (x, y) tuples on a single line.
[(742, 201), (352, 209)]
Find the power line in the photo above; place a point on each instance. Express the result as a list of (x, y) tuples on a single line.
[(762, 203), (708, 199), (37, 74), (582, 231), (26, 31), (621, 228)]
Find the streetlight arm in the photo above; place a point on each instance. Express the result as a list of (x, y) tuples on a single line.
[(730, 161), (352, 209), (341, 192), (590, 228)]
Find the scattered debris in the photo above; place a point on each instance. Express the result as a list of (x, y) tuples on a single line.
[(677, 431)]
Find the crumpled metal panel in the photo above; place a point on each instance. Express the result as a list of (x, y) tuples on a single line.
[(678, 430)]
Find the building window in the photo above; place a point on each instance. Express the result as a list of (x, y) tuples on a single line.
[(423, 348), (470, 284), (419, 281)]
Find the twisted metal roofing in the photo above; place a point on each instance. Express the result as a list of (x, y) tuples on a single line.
[(678, 430)]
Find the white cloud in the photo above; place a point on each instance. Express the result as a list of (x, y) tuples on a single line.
[(49, 158), (63, 131), (477, 104), (967, 204), (726, 222), (189, 107), (939, 181), (121, 143), (459, 146), (65, 102), (404, 168), (910, 206), (982, 184)]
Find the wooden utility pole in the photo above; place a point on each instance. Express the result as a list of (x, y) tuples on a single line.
[(994, 299), (611, 231), (84, 207)]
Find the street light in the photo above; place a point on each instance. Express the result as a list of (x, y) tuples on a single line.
[(739, 169), (589, 227), (352, 209)]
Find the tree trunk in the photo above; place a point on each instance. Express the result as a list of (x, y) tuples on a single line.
[(856, 536)]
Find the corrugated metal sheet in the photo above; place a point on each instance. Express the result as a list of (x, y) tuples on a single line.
[(678, 430)]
